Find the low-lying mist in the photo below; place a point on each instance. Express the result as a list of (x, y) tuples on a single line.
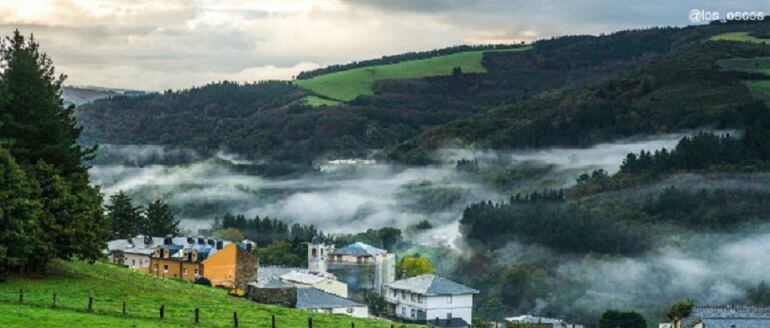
[(343, 195)]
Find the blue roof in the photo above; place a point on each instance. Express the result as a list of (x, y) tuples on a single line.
[(359, 249), (312, 298)]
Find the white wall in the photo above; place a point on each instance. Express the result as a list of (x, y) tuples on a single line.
[(136, 261), (461, 306)]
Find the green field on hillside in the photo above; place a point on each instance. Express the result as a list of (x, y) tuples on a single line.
[(110, 286), (349, 84), (738, 36)]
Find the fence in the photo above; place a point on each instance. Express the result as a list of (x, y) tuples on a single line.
[(213, 314)]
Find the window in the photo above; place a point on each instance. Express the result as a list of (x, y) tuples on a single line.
[(449, 299), (419, 298), (313, 252), (395, 293), (155, 267), (133, 262), (165, 268), (413, 298), (184, 271), (403, 310), (412, 313), (403, 295), (196, 272), (449, 316)]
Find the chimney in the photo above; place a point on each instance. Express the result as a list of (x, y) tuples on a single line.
[(219, 244)]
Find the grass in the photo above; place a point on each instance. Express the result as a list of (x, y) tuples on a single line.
[(349, 84), (738, 36), (760, 89), (110, 286), (317, 101)]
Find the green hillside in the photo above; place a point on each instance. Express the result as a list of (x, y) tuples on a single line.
[(110, 286), (349, 84)]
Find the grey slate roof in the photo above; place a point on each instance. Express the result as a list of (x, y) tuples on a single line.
[(429, 284), (312, 298), (267, 273), (727, 316), (275, 283), (359, 249)]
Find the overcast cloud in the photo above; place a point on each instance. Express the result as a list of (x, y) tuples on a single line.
[(156, 45)]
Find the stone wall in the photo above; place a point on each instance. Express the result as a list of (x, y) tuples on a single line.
[(277, 296)]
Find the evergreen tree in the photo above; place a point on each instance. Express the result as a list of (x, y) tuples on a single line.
[(36, 123), (126, 219), (159, 220), (619, 319), (17, 215), (72, 222)]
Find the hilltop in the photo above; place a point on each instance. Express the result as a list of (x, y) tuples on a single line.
[(110, 285), (413, 106)]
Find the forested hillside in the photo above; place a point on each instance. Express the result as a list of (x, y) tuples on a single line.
[(554, 93)]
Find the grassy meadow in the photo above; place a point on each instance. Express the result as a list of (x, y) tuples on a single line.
[(110, 286), (349, 84), (737, 36)]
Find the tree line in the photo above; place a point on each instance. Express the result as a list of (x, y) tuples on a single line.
[(47, 208), (128, 220)]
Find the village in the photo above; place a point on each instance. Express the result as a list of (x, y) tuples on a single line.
[(342, 280)]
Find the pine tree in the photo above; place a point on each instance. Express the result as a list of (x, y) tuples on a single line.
[(159, 220), (17, 215), (126, 219), (36, 123)]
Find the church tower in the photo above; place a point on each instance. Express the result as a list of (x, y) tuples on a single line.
[(316, 257)]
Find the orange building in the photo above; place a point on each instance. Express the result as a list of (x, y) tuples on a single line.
[(228, 265), (231, 267)]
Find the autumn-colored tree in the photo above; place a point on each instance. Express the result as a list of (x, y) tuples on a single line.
[(411, 266)]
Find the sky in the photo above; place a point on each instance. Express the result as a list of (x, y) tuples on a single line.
[(173, 44)]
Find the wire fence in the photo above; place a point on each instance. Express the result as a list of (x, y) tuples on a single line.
[(181, 313)]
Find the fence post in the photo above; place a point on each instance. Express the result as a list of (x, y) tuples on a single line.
[(90, 303), (273, 325), (124, 308), (309, 322), (54, 300), (21, 296), (235, 319), (352, 324), (162, 308), (197, 315)]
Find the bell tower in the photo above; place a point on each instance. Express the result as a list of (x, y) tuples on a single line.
[(316, 257)]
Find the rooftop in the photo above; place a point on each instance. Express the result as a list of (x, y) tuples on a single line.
[(359, 249), (312, 298), (429, 284), (267, 273), (302, 277), (726, 316)]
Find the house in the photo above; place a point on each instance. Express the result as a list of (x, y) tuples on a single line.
[(278, 292), (228, 265), (427, 298), (529, 321), (325, 283), (725, 316), (361, 266)]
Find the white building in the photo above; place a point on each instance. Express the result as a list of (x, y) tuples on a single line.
[(427, 297), (326, 282), (529, 320), (725, 316)]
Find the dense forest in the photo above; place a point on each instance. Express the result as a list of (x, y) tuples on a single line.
[(553, 94)]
